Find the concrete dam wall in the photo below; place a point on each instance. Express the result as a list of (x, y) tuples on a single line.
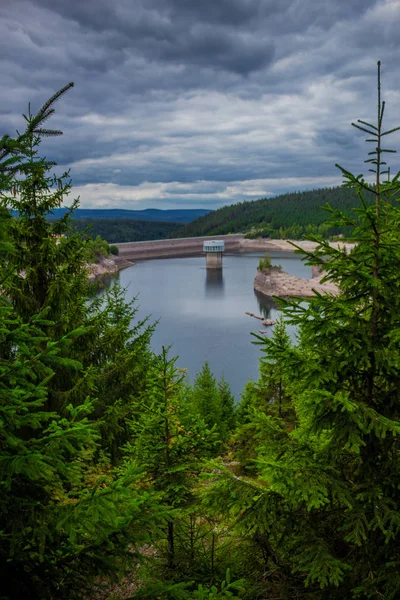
[(174, 248)]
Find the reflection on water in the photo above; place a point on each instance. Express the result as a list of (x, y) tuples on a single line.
[(266, 304), (214, 282), (99, 284), (105, 281)]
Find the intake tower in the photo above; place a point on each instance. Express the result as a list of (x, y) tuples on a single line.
[(213, 250)]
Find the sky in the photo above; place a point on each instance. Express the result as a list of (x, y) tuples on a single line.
[(200, 103)]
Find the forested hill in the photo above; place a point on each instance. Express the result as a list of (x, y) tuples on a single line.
[(288, 215), (176, 215), (125, 230)]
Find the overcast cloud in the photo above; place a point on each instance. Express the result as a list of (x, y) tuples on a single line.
[(188, 103)]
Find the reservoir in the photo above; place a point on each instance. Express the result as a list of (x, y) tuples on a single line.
[(201, 313)]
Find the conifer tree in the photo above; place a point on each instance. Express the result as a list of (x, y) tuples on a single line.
[(63, 507), (227, 410), (117, 350), (169, 442), (269, 396), (271, 390), (205, 396), (46, 268), (329, 514), (213, 401), (60, 513), (13, 151)]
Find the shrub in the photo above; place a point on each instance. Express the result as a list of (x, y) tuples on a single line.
[(265, 263)]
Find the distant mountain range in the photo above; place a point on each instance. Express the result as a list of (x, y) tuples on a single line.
[(149, 214)]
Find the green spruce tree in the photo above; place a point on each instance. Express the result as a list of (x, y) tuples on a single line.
[(325, 501), (65, 514), (205, 396), (46, 268), (227, 409), (169, 443), (214, 402), (268, 397)]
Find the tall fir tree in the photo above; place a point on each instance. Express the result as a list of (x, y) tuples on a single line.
[(213, 401), (267, 397), (46, 267), (205, 396), (169, 442), (326, 496), (227, 408), (65, 514)]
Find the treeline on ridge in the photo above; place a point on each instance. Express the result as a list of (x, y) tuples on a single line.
[(125, 230), (285, 216)]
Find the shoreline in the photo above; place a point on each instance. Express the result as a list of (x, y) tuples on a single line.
[(274, 282), (287, 245), (187, 247), (107, 266)]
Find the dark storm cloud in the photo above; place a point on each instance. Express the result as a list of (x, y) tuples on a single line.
[(168, 33), (199, 103)]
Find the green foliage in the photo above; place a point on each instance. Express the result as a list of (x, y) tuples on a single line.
[(204, 396), (227, 409), (61, 513), (65, 514), (97, 249), (44, 269), (185, 591), (213, 402), (289, 216), (117, 231), (114, 250), (116, 351), (169, 442), (265, 263), (13, 152), (266, 406), (324, 503), (103, 445)]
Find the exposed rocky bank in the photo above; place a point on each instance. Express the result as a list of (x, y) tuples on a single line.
[(269, 245), (275, 282), (107, 266)]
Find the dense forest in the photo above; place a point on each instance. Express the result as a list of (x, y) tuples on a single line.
[(287, 216), (172, 215), (120, 480), (125, 230)]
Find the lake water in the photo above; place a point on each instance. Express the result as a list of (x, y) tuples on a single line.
[(201, 312)]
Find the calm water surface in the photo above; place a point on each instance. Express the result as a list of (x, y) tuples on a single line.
[(201, 312)]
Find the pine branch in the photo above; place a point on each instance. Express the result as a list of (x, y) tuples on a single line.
[(55, 97), (18, 146), (368, 124), (363, 129), (390, 131), (47, 132)]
